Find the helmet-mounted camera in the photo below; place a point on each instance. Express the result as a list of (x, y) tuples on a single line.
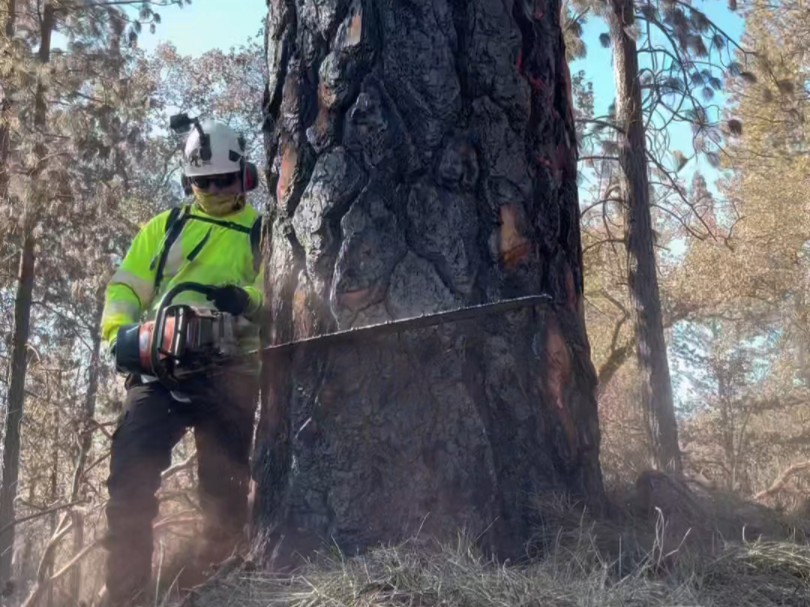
[(181, 124)]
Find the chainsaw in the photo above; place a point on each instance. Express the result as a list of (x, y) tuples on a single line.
[(184, 341), (180, 342)]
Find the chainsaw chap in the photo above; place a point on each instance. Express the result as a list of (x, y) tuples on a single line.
[(221, 413), (185, 360)]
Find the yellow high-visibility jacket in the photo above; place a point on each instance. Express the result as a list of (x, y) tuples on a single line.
[(208, 250)]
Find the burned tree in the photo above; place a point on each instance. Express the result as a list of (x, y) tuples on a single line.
[(422, 158)]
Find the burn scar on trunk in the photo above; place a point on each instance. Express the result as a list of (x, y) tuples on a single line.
[(558, 379), (513, 247)]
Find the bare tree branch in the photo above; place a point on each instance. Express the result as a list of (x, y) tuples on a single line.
[(37, 515), (782, 480), (179, 467)]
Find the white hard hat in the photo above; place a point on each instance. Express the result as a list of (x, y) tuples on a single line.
[(225, 150)]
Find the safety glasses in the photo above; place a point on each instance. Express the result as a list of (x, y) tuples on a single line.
[(221, 181)]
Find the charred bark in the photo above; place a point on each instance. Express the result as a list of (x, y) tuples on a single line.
[(651, 349), (422, 157)]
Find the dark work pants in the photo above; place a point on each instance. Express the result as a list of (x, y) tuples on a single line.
[(221, 412)]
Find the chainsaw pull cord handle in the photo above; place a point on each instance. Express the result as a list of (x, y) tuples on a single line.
[(181, 328)]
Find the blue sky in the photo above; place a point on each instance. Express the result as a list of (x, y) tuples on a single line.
[(598, 67), (207, 24)]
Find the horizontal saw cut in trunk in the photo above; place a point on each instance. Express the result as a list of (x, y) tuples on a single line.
[(423, 160)]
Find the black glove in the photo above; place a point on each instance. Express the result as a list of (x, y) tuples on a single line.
[(231, 299)]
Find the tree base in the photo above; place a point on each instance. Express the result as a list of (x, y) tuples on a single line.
[(453, 429)]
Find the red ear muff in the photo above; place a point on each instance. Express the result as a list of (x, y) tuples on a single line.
[(186, 182), (250, 180)]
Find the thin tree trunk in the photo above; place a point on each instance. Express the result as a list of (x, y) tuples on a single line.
[(26, 558), (656, 386), (22, 317), (57, 422), (5, 104), (801, 311), (16, 398), (422, 159), (86, 443)]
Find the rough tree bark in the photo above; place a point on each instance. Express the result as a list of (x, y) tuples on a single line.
[(422, 157), (22, 318), (656, 385)]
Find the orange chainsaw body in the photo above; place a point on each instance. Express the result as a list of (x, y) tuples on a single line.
[(145, 334)]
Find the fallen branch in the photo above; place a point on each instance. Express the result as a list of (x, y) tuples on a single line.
[(179, 467), (181, 518), (73, 561), (96, 463), (96, 425), (36, 515), (782, 480), (224, 569), (42, 571), (179, 496)]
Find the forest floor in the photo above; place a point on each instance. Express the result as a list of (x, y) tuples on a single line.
[(755, 557)]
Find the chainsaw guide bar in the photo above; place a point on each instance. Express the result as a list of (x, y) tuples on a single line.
[(405, 324)]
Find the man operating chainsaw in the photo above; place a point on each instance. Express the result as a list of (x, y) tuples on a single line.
[(211, 242)]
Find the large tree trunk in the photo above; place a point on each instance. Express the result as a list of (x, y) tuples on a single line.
[(422, 157), (22, 318), (656, 386)]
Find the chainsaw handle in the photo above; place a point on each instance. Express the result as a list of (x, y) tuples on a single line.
[(163, 368), (181, 287)]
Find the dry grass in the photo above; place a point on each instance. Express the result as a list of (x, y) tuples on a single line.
[(758, 560), (575, 572)]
